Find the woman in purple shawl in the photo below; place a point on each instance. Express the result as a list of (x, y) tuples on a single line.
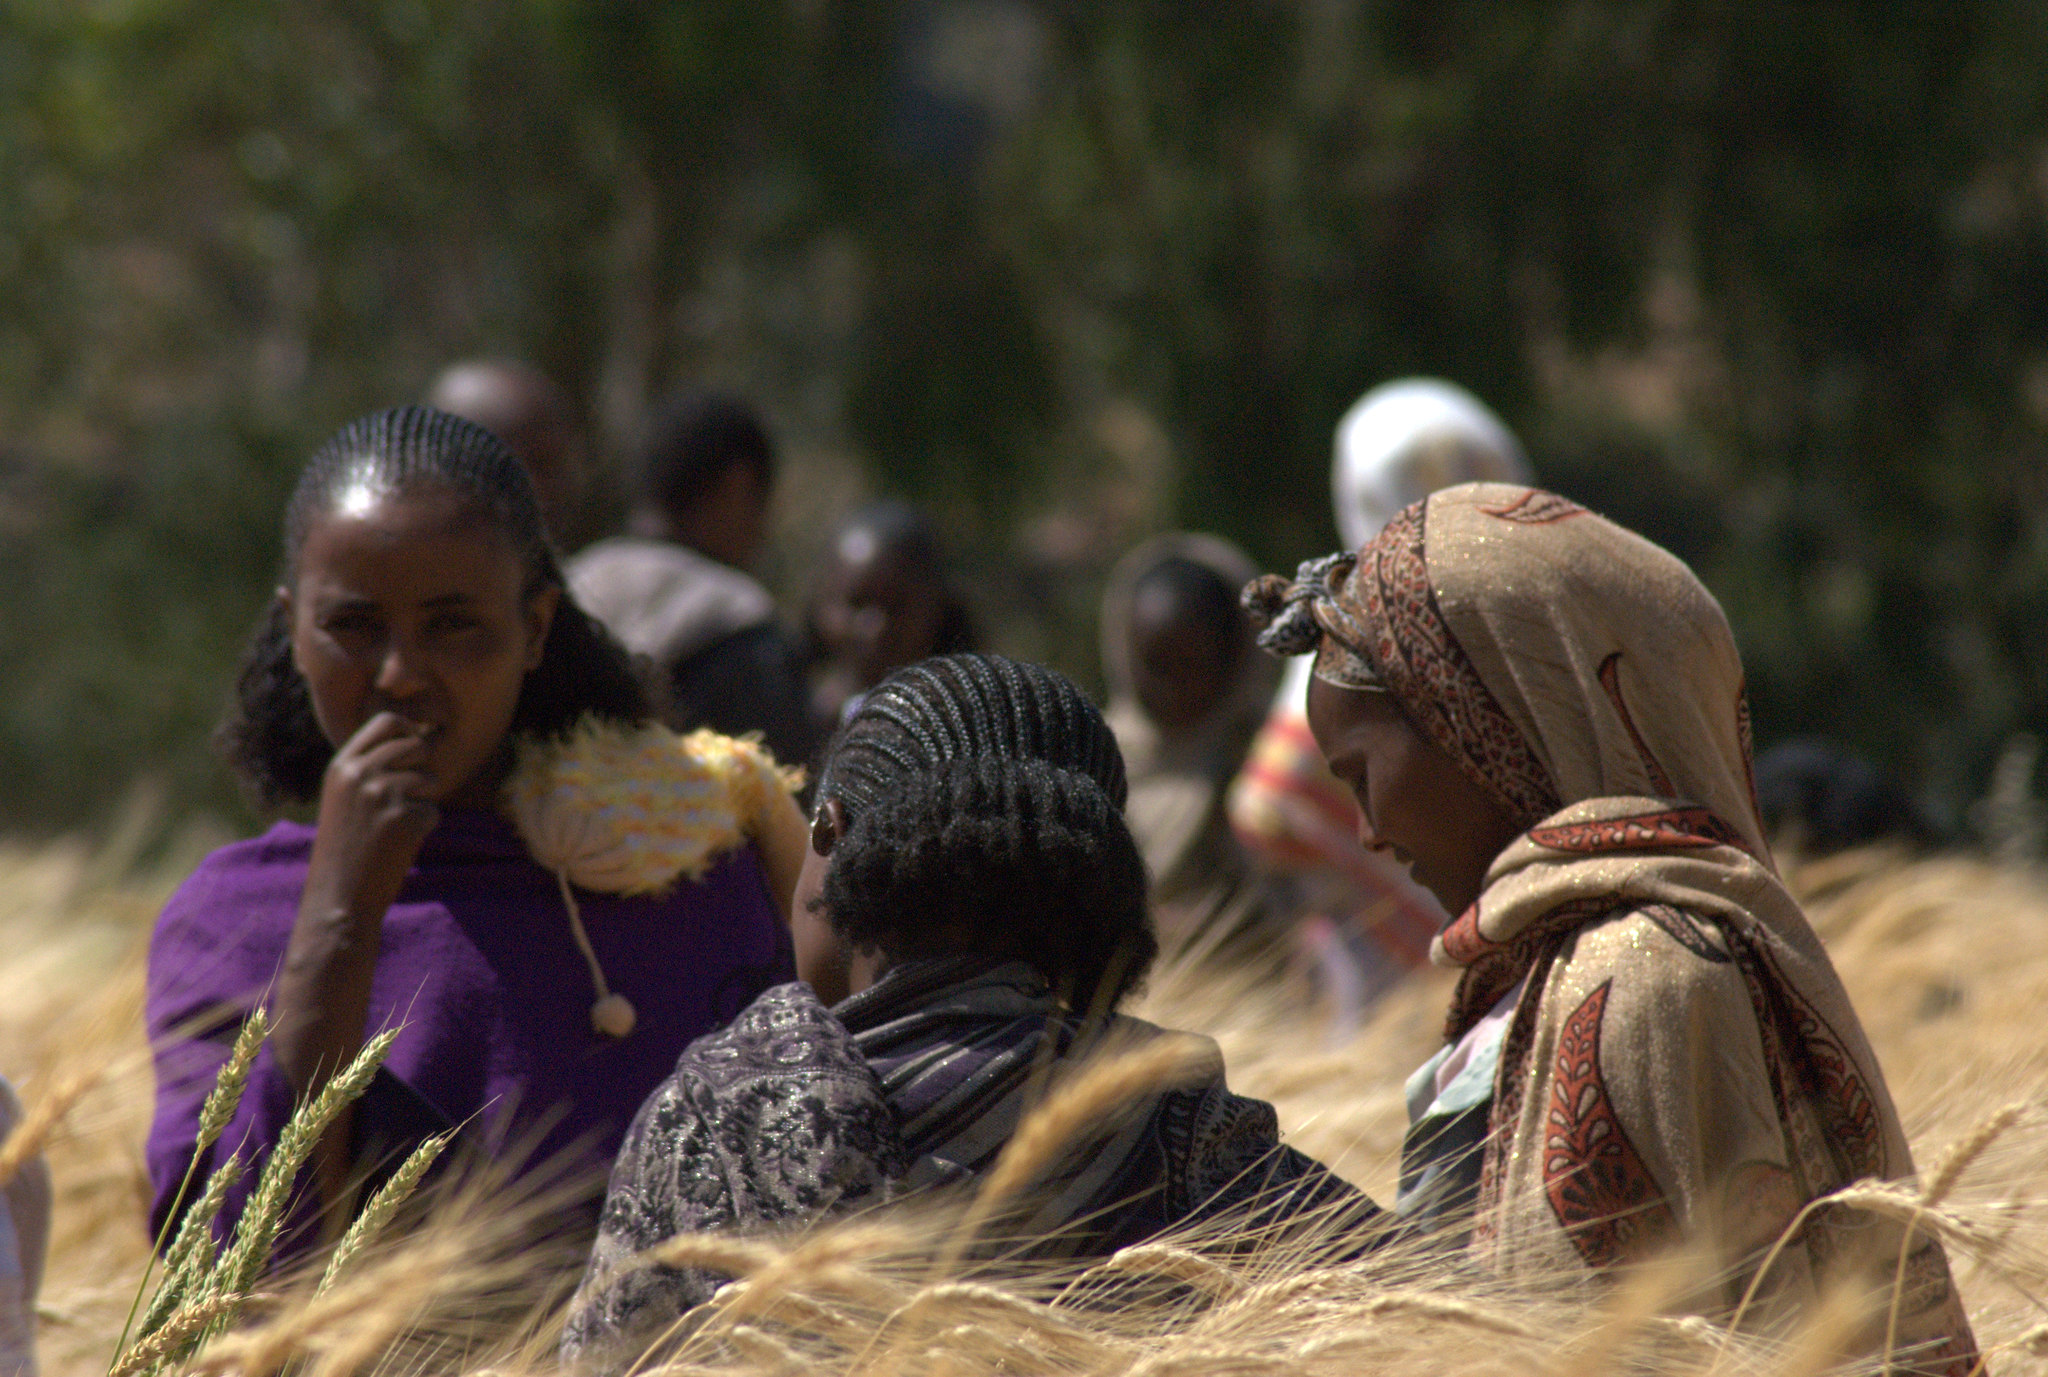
[(421, 633)]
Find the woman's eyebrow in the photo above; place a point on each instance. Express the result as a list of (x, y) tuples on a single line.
[(329, 600)]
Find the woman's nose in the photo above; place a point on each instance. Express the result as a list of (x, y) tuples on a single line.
[(398, 672)]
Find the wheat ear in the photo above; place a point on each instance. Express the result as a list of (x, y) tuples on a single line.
[(383, 1205), (1940, 1182), (734, 1257), (180, 1329), (1966, 1150), (1212, 1360), (214, 1116), (34, 1130), (762, 1351), (226, 1096), (191, 1250), (264, 1212), (1175, 1264), (1057, 1334)]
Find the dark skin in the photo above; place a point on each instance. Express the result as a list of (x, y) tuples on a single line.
[(413, 629), (1413, 799), (728, 522), (876, 612), (1181, 662), (535, 418), (832, 969)]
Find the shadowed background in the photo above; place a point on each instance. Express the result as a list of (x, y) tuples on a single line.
[(1770, 284)]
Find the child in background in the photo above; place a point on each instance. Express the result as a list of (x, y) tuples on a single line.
[(1187, 690), (677, 587), (882, 601)]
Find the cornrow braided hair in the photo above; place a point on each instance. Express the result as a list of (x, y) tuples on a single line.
[(982, 802), (270, 734)]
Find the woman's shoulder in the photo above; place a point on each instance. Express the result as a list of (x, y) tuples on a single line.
[(1657, 928), (222, 931), (245, 872), (786, 1034), (755, 1125), (1656, 959)]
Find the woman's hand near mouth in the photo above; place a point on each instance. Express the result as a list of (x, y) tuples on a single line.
[(373, 820)]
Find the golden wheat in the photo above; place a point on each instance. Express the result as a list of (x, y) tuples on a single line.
[(1944, 957)]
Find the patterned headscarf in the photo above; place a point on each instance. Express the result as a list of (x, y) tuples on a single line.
[(1589, 683), (1554, 655)]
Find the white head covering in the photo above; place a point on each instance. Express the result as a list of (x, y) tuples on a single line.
[(1406, 439)]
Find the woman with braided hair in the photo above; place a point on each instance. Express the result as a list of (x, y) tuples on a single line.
[(968, 834), (1542, 715), (419, 659)]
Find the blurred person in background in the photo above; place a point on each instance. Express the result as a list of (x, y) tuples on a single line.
[(968, 831), (675, 589), (1367, 923), (24, 1244), (420, 657), (882, 600), (1542, 715), (1188, 687), (535, 418)]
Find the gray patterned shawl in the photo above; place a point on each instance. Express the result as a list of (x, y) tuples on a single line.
[(795, 1112)]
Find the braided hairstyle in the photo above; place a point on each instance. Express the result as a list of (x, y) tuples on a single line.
[(982, 811), (270, 735)]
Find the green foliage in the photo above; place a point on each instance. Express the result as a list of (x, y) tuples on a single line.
[(1771, 285)]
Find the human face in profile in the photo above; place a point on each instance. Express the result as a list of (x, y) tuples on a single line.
[(413, 603), (1413, 799)]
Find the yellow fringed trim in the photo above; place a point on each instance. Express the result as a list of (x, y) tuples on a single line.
[(621, 810), (631, 810)]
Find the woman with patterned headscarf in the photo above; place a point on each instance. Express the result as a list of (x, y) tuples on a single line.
[(1543, 716)]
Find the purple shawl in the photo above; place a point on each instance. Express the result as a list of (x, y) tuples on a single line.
[(479, 966)]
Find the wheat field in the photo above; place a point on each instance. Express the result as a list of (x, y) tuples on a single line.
[(1946, 957)]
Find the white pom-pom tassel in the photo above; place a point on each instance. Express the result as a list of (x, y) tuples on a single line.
[(613, 1016)]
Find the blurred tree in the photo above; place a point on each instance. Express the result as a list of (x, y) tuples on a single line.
[(1769, 285)]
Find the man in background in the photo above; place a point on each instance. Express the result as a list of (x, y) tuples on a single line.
[(673, 588), (531, 413)]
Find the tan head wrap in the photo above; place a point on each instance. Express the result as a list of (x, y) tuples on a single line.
[(1682, 1054)]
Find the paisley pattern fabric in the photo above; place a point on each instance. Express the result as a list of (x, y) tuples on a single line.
[(1682, 1059), (797, 1112)]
